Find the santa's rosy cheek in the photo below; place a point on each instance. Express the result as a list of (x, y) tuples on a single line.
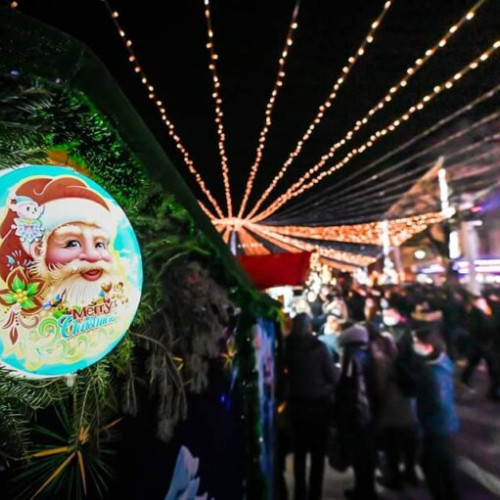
[(105, 255), (61, 255)]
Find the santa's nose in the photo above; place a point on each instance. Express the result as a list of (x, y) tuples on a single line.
[(90, 255)]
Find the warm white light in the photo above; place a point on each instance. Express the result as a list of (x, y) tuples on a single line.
[(420, 254)]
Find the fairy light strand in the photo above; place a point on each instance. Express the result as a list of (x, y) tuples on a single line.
[(348, 194), (368, 233), (300, 186), (360, 201), (361, 196), (225, 235), (207, 212), (250, 244), (294, 249), (219, 115), (408, 74), (134, 61), (270, 106), (347, 180), (325, 105), (342, 256)]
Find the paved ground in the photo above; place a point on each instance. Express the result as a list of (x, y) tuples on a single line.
[(478, 447)]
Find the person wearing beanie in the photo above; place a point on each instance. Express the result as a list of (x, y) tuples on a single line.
[(436, 413), (312, 377)]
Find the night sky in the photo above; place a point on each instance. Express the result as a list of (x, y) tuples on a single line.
[(249, 37)]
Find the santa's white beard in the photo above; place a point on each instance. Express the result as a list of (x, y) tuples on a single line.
[(77, 290), (68, 280)]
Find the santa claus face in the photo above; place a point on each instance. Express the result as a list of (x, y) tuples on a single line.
[(78, 241), (76, 262)]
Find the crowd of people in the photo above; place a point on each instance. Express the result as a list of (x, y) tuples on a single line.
[(370, 373)]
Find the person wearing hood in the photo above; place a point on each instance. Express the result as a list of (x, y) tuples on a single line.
[(436, 413), (312, 378)]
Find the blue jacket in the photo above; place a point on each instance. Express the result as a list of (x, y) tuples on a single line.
[(435, 396), (332, 344)]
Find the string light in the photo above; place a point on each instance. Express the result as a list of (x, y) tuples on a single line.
[(328, 193), (250, 244), (324, 107), (399, 185), (14, 5), (290, 248), (346, 196), (351, 258), (368, 233), (489, 166), (408, 74), (270, 106), (345, 268), (114, 14), (208, 213), (299, 187), (219, 115), (365, 233), (225, 235)]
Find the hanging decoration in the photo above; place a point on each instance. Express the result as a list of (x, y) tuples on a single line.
[(172, 132), (300, 186), (70, 271), (326, 104), (270, 106), (411, 71), (219, 114)]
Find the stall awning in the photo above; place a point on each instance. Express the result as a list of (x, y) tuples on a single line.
[(278, 269)]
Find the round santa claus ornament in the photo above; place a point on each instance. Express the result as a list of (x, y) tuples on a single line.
[(70, 271)]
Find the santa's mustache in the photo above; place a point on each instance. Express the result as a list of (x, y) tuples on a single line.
[(59, 272)]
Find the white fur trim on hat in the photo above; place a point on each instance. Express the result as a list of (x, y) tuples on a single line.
[(66, 210)]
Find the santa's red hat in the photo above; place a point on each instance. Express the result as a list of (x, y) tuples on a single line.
[(66, 199), (62, 200)]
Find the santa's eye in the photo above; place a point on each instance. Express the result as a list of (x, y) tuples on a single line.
[(72, 244), (101, 245)]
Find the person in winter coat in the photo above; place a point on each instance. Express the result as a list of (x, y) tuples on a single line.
[(328, 334), (481, 327), (398, 325), (436, 413), (396, 415), (356, 409), (312, 377)]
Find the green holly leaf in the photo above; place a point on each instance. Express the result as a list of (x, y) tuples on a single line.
[(33, 288), (18, 284), (9, 297), (28, 304)]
